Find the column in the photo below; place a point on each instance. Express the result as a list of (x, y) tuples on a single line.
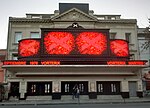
[(56, 90), (8, 91), (22, 90), (124, 89), (139, 88), (92, 90)]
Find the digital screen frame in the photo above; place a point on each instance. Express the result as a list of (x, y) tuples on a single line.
[(77, 37)]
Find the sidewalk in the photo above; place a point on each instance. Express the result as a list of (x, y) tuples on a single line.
[(76, 101)]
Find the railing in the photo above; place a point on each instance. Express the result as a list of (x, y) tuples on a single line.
[(147, 93)]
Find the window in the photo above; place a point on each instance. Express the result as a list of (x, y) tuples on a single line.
[(18, 36), (33, 88), (47, 88), (112, 35), (34, 34), (132, 56), (141, 38), (66, 87), (128, 37), (109, 17), (81, 87), (100, 87), (15, 56), (113, 88)]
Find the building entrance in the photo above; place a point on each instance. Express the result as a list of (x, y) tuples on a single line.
[(39, 88), (132, 89), (108, 87), (67, 87), (14, 89)]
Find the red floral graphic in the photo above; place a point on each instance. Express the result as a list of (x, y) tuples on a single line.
[(119, 48), (92, 43), (58, 42), (29, 47)]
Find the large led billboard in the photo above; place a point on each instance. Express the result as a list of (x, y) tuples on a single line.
[(73, 45), (66, 43)]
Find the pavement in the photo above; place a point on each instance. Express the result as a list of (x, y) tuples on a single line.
[(75, 101)]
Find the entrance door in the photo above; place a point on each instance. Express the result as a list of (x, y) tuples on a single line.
[(14, 89), (132, 89), (39, 88), (108, 87), (67, 87)]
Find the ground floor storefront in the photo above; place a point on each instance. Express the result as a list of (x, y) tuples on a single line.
[(58, 81), (58, 89)]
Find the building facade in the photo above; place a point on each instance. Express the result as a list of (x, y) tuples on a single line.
[(2, 58), (34, 76), (144, 48), (2, 73)]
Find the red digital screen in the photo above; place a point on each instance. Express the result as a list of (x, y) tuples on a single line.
[(74, 43), (29, 47), (58, 43), (91, 43), (119, 48), (56, 62)]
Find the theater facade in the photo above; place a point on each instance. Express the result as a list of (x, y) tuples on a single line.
[(69, 53)]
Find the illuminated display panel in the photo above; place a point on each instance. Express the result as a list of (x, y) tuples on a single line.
[(29, 47), (91, 43), (119, 48), (58, 43), (73, 44), (68, 43), (56, 62)]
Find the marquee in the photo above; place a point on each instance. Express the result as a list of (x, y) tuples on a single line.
[(72, 46), (49, 62)]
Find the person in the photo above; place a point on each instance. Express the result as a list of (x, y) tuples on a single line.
[(74, 91), (78, 92)]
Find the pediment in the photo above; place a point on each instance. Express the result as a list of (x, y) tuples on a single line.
[(74, 15)]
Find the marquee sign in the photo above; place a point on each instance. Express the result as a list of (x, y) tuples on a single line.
[(73, 44), (55, 62)]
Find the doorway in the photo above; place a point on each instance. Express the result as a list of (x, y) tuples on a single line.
[(14, 87), (108, 87), (67, 87), (39, 88), (132, 89)]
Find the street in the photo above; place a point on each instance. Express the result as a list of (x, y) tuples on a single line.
[(127, 105)]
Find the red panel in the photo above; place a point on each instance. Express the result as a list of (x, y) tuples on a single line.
[(92, 43), (59, 42), (29, 47), (119, 48), (116, 62)]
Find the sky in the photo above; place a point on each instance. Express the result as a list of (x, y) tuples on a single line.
[(128, 9)]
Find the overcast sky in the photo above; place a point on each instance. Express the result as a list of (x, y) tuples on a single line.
[(128, 9)]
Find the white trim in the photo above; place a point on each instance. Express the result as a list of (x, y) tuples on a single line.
[(15, 66)]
